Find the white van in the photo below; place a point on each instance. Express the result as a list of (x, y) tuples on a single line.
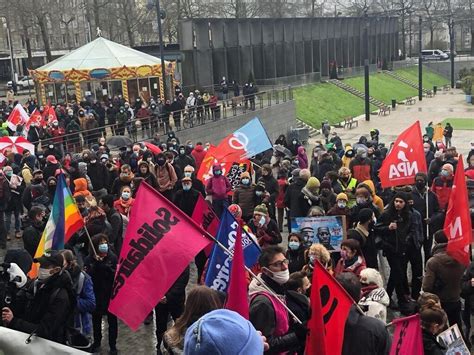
[(433, 54)]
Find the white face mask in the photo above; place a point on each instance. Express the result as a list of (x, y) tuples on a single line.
[(43, 274), (281, 277), (341, 204)]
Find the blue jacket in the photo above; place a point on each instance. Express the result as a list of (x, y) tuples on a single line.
[(85, 303)]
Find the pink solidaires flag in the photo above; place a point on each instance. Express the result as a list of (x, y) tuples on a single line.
[(407, 338), (159, 244), (237, 299)]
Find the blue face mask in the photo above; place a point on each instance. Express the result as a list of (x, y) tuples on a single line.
[(103, 248), (294, 245), (217, 172), (125, 195), (186, 187)]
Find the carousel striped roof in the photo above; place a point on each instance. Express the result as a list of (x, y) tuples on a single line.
[(100, 53)]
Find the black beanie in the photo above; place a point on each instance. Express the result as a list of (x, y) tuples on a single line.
[(365, 215), (440, 237), (402, 195)]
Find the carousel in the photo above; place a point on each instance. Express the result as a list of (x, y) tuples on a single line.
[(101, 69)]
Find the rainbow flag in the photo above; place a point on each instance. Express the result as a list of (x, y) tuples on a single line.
[(64, 220)]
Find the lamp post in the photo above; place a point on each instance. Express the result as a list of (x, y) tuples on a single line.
[(451, 49), (10, 47), (420, 60), (160, 16), (366, 67)]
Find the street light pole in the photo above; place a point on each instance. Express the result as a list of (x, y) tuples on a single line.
[(420, 62), (162, 55), (366, 67), (10, 47), (451, 48)]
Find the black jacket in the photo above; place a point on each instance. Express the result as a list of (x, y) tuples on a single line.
[(296, 259), (431, 345), (394, 241), (31, 238), (292, 198), (367, 334), (186, 200), (271, 186), (116, 234), (99, 175), (102, 274), (435, 215), (48, 309), (5, 194), (299, 305), (467, 290)]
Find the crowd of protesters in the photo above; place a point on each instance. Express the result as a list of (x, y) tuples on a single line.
[(384, 227)]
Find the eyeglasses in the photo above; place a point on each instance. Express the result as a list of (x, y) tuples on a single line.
[(280, 263)]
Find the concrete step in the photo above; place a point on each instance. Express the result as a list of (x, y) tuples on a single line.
[(403, 80)]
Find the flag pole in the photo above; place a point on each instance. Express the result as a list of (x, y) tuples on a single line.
[(90, 241), (427, 213), (223, 247)]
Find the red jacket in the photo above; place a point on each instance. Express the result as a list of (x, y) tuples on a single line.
[(198, 154)]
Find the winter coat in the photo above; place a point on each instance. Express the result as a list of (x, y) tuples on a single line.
[(80, 188), (268, 234), (367, 333), (361, 168), (302, 158), (115, 220), (355, 265), (99, 176), (299, 305), (419, 204), (374, 302), (48, 308), (218, 187), (50, 170), (296, 259), (31, 238), (198, 154), (443, 275), (394, 241), (366, 241), (165, 176), (442, 189), (182, 160), (85, 298), (431, 345), (467, 290), (5, 193), (186, 200), (293, 199), (102, 273), (244, 196)]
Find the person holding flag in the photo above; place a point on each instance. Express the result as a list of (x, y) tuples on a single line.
[(267, 313)]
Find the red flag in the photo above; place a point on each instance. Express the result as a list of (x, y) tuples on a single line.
[(237, 299), (330, 306), (405, 159), (160, 242), (17, 117), (51, 116), (205, 217), (457, 225), (35, 118), (407, 338)]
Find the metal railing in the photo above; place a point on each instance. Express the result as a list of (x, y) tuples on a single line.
[(176, 121)]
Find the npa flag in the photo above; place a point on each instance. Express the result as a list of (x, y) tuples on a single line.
[(64, 220), (205, 217), (18, 117), (160, 242), (405, 159), (457, 224), (237, 299), (218, 269), (330, 306), (238, 147), (407, 338)]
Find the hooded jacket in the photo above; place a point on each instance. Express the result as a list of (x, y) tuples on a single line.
[(302, 158), (218, 186), (443, 275), (198, 154), (377, 201), (244, 196), (81, 188), (99, 175)]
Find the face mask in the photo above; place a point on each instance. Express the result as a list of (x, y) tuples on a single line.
[(361, 200), (246, 182), (341, 204), (181, 151), (93, 161), (9, 173), (186, 187), (262, 221), (445, 173), (161, 162), (426, 150), (281, 277), (125, 195), (293, 245), (312, 259), (345, 178), (149, 159), (420, 185), (258, 193), (43, 274), (187, 174), (103, 248), (217, 172), (344, 254), (294, 142)]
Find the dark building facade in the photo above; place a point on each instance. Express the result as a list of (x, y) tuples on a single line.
[(272, 49)]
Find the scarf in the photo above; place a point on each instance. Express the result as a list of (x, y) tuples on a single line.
[(309, 195), (126, 204), (366, 290)]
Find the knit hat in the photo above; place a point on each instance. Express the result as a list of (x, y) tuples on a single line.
[(342, 196), (440, 237), (401, 195), (360, 151), (222, 332), (325, 184), (261, 210), (365, 215), (305, 174), (312, 184), (245, 174), (235, 210), (296, 172)]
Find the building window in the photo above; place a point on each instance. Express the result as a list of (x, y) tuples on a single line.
[(64, 39), (23, 43), (76, 39)]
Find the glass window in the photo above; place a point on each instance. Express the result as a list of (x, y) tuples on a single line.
[(71, 92), (60, 93), (87, 92), (115, 88), (155, 87), (144, 88), (132, 90)]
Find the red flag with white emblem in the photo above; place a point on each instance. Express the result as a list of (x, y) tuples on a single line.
[(405, 160), (17, 117)]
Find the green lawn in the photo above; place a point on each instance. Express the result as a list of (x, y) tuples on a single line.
[(460, 123), (383, 87), (430, 78), (318, 102)]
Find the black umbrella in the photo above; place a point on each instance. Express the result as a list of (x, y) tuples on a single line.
[(285, 151), (119, 141)]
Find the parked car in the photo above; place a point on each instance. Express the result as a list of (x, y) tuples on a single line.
[(23, 83), (433, 54)]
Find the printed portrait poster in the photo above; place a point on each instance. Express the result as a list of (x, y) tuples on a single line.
[(327, 230), (452, 339)]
